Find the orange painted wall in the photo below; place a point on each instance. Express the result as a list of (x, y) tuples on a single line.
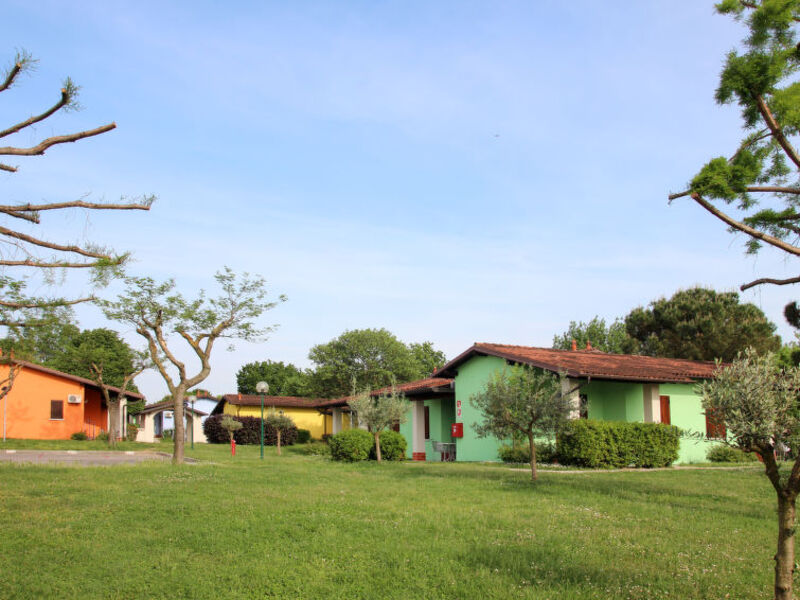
[(28, 408), (95, 414)]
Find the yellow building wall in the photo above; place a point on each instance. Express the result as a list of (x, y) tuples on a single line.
[(329, 422), (304, 418)]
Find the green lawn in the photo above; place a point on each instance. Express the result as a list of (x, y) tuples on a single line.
[(304, 527)]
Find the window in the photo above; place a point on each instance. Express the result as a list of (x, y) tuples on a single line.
[(584, 406), (427, 422), (56, 410), (715, 426)]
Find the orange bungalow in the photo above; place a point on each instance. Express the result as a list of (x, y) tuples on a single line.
[(46, 404)]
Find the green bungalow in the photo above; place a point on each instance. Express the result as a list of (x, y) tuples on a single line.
[(610, 387)]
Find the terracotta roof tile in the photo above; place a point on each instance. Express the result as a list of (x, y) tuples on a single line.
[(83, 380), (592, 363), (411, 387), (167, 404), (280, 401)]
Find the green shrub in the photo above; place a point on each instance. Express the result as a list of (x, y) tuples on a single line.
[(545, 454), (393, 446), (351, 445), (612, 444), (168, 435), (303, 436), (79, 435), (721, 453), (316, 449), (131, 433), (102, 436)]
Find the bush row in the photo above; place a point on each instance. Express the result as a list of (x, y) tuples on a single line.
[(728, 454), (354, 445), (610, 444), (250, 433)]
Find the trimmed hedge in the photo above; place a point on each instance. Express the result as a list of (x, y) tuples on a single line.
[(250, 433), (303, 436), (393, 446), (545, 454), (613, 444), (351, 445)]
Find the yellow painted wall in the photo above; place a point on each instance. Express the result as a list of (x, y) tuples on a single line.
[(329, 422), (304, 418)]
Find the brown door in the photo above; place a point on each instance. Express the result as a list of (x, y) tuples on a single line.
[(665, 416)]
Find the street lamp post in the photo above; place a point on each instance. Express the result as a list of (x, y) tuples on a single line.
[(191, 400), (262, 387)]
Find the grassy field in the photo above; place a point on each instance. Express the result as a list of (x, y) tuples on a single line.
[(304, 527)]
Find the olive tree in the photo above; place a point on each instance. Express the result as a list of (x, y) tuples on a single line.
[(161, 315), (379, 412), (281, 423), (757, 403), (522, 401)]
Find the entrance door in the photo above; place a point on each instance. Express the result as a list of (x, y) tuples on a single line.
[(665, 416)]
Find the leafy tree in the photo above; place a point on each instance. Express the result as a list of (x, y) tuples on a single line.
[(758, 182), (379, 412), (427, 357), (372, 358), (757, 404), (522, 400), (158, 312), (608, 338), (53, 332), (27, 254), (281, 423), (700, 324), (102, 356), (283, 379), (230, 425)]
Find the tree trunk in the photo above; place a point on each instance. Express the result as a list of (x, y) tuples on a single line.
[(378, 445), (784, 558), (279, 440), (534, 473), (113, 421), (179, 433)]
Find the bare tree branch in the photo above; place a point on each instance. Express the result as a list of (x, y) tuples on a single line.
[(47, 265), (9, 168), (63, 101), (145, 205), (764, 280), (21, 215), (12, 75), (759, 235), (40, 148), (51, 245)]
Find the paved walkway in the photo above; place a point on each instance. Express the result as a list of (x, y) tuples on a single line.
[(84, 458)]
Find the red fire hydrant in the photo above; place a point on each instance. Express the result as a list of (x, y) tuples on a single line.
[(233, 447)]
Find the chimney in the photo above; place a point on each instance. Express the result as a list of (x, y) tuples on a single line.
[(588, 345), (574, 345)]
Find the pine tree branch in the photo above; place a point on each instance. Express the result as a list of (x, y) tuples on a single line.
[(145, 205), (53, 246), (48, 265), (46, 304), (759, 235), (764, 280), (52, 141), (12, 75), (777, 133), (20, 215), (65, 99)]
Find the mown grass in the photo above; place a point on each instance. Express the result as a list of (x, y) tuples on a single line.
[(305, 527)]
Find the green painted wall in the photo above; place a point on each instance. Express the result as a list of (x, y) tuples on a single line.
[(471, 379), (405, 430), (615, 400), (686, 411)]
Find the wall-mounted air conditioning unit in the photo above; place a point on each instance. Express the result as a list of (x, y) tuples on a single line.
[(167, 414), (73, 399)]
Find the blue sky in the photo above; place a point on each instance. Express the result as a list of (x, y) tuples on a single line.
[(452, 171)]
